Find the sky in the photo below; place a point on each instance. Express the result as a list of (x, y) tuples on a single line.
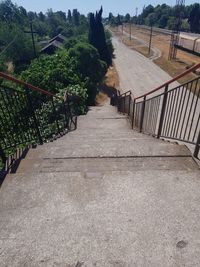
[(85, 6)]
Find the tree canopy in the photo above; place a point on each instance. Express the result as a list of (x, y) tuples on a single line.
[(97, 36), (163, 16)]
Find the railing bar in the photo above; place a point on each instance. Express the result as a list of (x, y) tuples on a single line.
[(186, 106), (27, 85), (148, 107), (154, 111), (169, 102), (189, 114), (172, 80), (196, 127), (15, 111), (2, 138), (10, 119), (179, 115), (170, 113), (166, 113), (133, 114), (57, 124), (157, 110), (197, 97), (178, 104), (175, 111)]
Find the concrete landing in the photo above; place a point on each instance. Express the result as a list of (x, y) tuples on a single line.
[(102, 196)]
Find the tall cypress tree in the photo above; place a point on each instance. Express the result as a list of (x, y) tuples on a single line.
[(97, 36)]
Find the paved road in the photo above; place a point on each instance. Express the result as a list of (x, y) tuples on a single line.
[(136, 72)]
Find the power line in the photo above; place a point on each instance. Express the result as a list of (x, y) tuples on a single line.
[(9, 45)]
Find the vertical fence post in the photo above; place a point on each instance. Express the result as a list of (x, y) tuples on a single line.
[(133, 113), (142, 113), (129, 106), (2, 156), (162, 114), (124, 102), (197, 147), (54, 111), (34, 116)]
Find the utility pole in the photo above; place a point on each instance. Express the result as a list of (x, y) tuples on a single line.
[(122, 28), (32, 35), (136, 14), (130, 29), (150, 39)]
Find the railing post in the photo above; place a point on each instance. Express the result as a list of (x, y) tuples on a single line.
[(129, 105), (142, 113), (2, 156), (164, 103), (34, 116), (197, 147), (133, 113), (124, 102), (119, 104), (54, 110)]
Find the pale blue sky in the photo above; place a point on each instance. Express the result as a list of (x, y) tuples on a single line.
[(86, 6)]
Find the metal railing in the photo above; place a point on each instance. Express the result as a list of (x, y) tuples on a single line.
[(29, 116), (171, 113)]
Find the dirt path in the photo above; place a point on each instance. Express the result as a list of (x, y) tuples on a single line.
[(136, 72), (156, 53)]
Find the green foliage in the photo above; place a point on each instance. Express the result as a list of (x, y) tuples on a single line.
[(97, 37), (80, 66), (51, 72), (194, 18), (78, 96), (163, 16), (17, 46), (89, 68)]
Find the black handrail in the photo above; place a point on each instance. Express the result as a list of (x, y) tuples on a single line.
[(30, 115)]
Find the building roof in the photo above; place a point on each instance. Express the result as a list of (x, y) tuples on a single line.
[(58, 37), (53, 45)]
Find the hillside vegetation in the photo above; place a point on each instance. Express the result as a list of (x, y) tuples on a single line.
[(79, 66)]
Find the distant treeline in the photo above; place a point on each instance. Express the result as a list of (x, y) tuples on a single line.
[(163, 16)]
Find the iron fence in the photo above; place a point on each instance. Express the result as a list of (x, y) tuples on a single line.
[(167, 113), (30, 117)]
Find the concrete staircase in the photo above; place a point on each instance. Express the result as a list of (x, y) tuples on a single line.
[(102, 196)]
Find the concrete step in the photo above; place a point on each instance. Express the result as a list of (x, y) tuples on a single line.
[(128, 148), (102, 134), (105, 165), (144, 218)]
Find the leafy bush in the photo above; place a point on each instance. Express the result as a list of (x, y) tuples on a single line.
[(79, 69)]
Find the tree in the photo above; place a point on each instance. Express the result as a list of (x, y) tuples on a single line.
[(110, 16), (194, 18), (76, 17), (69, 16), (127, 18), (89, 67), (97, 36)]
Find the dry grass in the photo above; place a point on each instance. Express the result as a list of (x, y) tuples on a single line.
[(162, 42), (111, 82)]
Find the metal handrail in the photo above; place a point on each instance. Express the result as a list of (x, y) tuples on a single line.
[(27, 85), (27, 119), (195, 67), (173, 113)]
